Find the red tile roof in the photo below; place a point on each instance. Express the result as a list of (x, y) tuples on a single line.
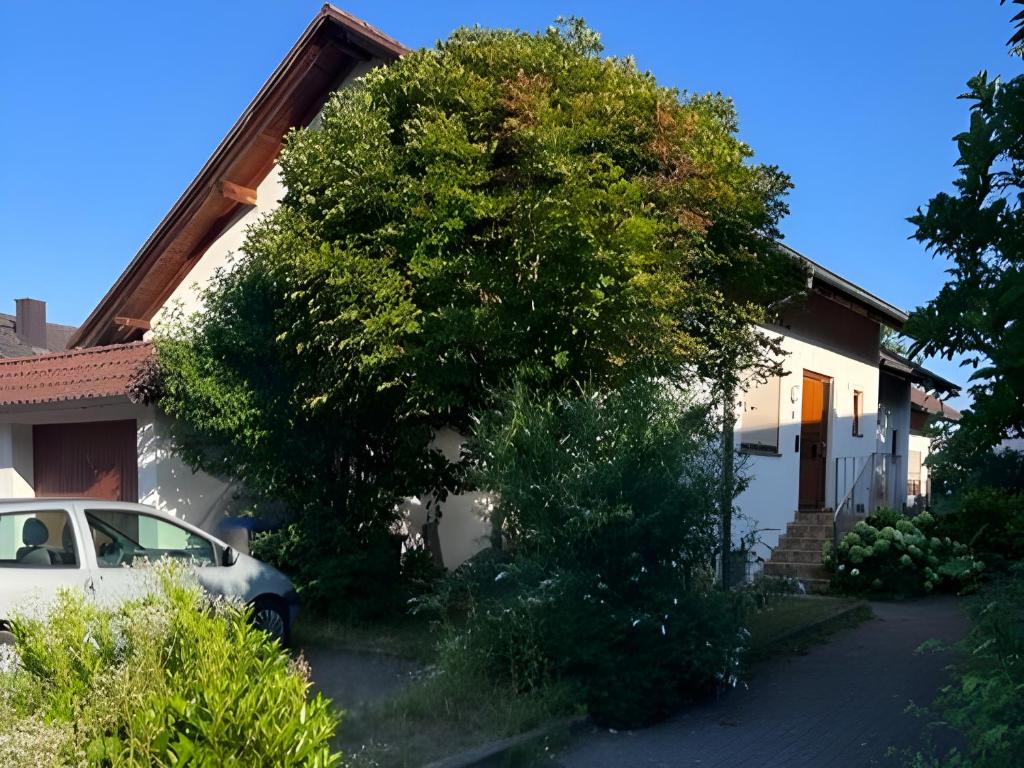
[(81, 374)]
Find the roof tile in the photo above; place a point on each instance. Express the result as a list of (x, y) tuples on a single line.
[(81, 374)]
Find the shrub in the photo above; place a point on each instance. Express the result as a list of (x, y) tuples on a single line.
[(991, 521), (608, 515), (167, 679), (985, 701), (892, 554)]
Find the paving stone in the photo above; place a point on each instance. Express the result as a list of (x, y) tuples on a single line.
[(842, 705)]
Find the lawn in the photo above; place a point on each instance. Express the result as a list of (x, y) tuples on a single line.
[(436, 716), (792, 623)]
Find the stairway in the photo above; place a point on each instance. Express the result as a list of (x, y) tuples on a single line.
[(798, 554)]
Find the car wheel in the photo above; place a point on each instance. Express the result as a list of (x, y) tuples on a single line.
[(6, 638), (271, 616)]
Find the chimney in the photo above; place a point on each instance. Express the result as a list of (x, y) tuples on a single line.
[(30, 322)]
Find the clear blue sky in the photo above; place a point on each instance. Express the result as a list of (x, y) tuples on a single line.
[(110, 109)]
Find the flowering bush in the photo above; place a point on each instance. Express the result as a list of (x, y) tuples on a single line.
[(892, 554), (166, 679)]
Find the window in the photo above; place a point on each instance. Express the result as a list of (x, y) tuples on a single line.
[(758, 429), (121, 538), (37, 540), (858, 412)]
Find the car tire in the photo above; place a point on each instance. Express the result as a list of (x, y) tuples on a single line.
[(271, 615), (6, 638)]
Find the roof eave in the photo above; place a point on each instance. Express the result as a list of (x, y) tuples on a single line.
[(353, 30)]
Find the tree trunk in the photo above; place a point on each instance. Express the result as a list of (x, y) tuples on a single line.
[(728, 479)]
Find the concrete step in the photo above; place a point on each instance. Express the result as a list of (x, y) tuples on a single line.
[(797, 570), (809, 531), (802, 542), (797, 556), (815, 518)]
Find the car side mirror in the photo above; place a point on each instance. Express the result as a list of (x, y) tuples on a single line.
[(230, 557)]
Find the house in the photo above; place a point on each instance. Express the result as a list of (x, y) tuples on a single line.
[(828, 441), (837, 421), (26, 332), (925, 410), (67, 426)]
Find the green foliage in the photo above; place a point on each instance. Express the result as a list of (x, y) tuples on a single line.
[(328, 561), (980, 230), (503, 205), (985, 701), (164, 680), (608, 509), (896, 555), (991, 522)]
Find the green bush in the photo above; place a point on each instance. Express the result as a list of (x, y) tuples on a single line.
[(170, 679), (890, 553), (609, 519), (991, 521), (985, 701)]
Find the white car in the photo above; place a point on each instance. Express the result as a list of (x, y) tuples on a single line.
[(49, 544)]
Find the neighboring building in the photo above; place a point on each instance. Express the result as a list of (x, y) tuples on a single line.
[(839, 415), (26, 332), (67, 426), (925, 410)]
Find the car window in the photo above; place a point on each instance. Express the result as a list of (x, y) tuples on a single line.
[(40, 539), (121, 537)]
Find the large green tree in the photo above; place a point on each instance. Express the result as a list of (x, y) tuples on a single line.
[(979, 229), (504, 206)]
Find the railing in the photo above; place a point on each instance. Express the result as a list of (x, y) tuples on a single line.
[(863, 484)]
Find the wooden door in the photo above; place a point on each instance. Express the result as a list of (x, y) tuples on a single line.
[(813, 440), (98, 460)]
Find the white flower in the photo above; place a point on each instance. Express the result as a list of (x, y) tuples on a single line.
[(855, 572), (501, 576), (662, 630), (841, 568), (8, 659)]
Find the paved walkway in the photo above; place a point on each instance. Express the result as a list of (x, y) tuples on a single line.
[(349, 679), (839, 706)]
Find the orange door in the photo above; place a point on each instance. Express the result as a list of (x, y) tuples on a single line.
[(813, 440), (93, 459)]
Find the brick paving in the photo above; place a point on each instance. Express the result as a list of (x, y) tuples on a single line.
[(842, 705)]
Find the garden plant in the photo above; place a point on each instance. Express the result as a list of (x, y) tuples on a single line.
[(890, 553), (172, 678)]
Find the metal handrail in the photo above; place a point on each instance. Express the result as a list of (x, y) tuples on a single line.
[(873, 486)]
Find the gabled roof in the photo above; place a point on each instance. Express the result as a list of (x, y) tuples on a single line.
[(906, 368), (837, 288), (11, 345), (82, 374), (922, 401), (332, 46)]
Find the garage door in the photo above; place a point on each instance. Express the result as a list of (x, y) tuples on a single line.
[(94, 459)]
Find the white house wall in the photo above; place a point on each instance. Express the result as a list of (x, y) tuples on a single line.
[(165, 482), (268, 198), (770, 501), (16, 476), (922, 444)]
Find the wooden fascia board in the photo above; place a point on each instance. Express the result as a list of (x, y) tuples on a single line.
[(329, 23)]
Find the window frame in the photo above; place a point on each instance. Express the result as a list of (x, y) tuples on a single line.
[(772, 383), (858, 412), (69, 515), (89, 515)]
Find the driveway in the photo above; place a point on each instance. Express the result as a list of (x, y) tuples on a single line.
[(350, 679), (842, 705)]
